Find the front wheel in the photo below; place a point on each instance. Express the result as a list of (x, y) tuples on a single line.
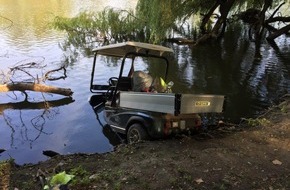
[(136, 133)]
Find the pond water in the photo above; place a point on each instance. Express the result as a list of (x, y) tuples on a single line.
[(70, 125)]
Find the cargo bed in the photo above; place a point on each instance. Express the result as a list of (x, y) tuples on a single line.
[(172, 103)]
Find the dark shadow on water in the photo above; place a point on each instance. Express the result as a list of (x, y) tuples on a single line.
[(98, 105), (25, 105), (114, 138)]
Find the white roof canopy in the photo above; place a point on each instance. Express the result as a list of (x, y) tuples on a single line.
[(121, 49)]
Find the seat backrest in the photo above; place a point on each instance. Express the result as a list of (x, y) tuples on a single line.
[(141, 81), (125, 83)]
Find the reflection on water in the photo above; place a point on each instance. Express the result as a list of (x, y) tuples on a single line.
[(22, 125), (67, 126), (31, 35), (70, 125), (229, 68)]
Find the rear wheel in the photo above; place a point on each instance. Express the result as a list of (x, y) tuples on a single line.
[(136, 133)]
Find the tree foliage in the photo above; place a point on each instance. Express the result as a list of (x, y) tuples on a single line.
[(155, 21), (107, 25)]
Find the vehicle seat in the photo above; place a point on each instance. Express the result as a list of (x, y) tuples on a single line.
[(125, 83), (141, 81)]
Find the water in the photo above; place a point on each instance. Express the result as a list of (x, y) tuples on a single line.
[(70, 126)]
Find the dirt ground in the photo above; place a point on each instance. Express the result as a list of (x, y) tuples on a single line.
[(252, 155)]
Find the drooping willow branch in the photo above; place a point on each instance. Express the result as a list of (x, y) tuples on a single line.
[(10, 21)]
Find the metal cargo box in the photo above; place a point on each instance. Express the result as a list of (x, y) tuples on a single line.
[(156, 102), (172, 103)]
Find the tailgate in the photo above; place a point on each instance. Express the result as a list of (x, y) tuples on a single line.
[(190, 103)]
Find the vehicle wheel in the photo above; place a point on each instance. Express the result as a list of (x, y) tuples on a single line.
[(136, 133)]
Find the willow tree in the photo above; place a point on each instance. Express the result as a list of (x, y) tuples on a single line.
[(88, 28), (165, 16), (160, 17), (256, 13), (152, 21), (156, 21)]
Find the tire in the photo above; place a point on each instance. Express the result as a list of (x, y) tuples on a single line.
[(136, 133)]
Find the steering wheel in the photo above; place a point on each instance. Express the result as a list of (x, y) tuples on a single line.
[(113, 81)]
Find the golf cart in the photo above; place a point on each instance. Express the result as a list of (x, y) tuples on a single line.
[(149, 110)]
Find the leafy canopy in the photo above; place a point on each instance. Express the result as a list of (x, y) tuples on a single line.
[(153, 20)]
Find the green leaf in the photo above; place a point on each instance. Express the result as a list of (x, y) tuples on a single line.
[(61, 178)]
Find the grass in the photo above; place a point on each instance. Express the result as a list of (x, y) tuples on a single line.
[(5, 170), (257, 122)]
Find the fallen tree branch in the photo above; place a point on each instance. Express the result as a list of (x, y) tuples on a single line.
[(278, 33), (181, 41), (22, 86)]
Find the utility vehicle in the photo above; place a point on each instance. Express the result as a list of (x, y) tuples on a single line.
[(143, 115)]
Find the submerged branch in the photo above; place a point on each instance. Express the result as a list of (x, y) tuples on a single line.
[(47, 77), (278, 19), (181, 41)]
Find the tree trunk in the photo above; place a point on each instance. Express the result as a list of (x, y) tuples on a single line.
[(206, 18), (22, 86), (220, 25), (259, 28), (225, 7)]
